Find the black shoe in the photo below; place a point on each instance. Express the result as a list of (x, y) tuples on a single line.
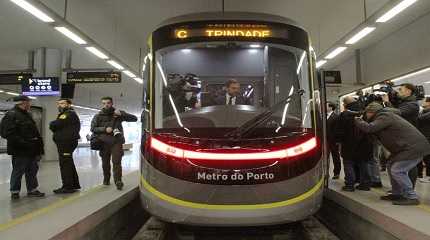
[(406, 202), (14, 196), (106, 182), (348, 188), (335, 177), (362, 187), (35, 194), (376, 185), (383, 170), (392, 197), (119, 185), (64, 190)]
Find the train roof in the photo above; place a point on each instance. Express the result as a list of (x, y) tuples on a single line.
[(205, 16)]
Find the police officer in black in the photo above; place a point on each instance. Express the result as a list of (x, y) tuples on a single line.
[(66, 134), (25, 145)]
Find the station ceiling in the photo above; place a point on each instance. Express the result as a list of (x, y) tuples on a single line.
[(123, 26)]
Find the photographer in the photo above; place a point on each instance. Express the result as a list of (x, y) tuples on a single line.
[(184, 90), (356, 147), (107, 125), (406, 145), (408, 108)]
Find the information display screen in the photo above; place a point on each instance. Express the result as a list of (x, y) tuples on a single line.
[(43, 86), (221, 30), (94, 77)]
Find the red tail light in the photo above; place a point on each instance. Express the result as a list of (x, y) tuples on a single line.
[(291, 151)]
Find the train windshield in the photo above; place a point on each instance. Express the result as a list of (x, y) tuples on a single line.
[(224, 89)]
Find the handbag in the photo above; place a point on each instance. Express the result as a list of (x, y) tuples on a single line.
[(95, 142)]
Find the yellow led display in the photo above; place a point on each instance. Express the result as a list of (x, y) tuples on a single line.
[(223, 32), (237, 33)]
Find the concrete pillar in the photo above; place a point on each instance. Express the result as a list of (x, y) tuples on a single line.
[(48, 63)]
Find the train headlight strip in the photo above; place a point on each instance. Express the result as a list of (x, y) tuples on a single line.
[(187, 154)]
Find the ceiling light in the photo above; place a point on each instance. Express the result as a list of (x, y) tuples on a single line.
[(130, 74), (31, 97), (320, 63), (357, 37), (71, 35), (252, 51), (97, 52), (255, 46), (12, 93), (335, 52), (139, 80), (186, 50), (33, 10), (115, 65), (1, 91), (395, 10)]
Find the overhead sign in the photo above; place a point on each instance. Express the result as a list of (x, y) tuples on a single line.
[(231, 30), (332, 77), (14, 78), (43, 86), (94, 77)]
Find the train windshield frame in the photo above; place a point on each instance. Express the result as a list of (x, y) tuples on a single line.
[(268, 81)]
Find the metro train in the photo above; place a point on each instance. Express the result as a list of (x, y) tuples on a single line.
[(232, 122)]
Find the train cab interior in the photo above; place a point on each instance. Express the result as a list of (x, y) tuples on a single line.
[(194, 82)]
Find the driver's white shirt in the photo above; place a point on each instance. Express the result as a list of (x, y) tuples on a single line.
[(227, 97)]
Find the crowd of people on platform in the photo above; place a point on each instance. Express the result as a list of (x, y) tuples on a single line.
[(26, 146), (382, 136)]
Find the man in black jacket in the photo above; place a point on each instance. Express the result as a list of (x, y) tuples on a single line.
[(66, 134), (356, 147), (406, 145), (333, 148), (107, 125), (424, 127), (409, 110), (25, 145)]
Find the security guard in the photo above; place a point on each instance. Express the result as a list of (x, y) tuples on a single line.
[(66, 134)]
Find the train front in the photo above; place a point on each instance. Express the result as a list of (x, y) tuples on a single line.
[(233, 133)]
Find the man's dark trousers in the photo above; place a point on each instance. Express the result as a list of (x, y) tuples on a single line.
[(69, 176), (24, 165)]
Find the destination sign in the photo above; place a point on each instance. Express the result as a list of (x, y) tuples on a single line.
[(231, 30), (14, 78), (94, 77)]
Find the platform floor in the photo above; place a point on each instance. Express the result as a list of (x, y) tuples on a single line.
[(89, 169), (412, 217)]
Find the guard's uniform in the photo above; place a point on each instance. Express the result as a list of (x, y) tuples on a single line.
[(66, 134)]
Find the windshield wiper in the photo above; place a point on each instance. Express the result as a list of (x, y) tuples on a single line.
[(260, 118)]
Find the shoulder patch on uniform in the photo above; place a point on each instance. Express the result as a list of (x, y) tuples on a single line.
[(62, 116)]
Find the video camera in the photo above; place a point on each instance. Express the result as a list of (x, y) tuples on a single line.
[(183, 83), (387, 88)]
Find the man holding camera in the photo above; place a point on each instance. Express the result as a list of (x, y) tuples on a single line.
[(409, 109), (356, 148), (107, 125), (406, 145)]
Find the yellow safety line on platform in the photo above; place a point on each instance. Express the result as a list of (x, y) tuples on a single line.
[(26, 217), (422, 206), (183, 203)]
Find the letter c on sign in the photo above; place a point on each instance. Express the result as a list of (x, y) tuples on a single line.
[(181, 34)]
